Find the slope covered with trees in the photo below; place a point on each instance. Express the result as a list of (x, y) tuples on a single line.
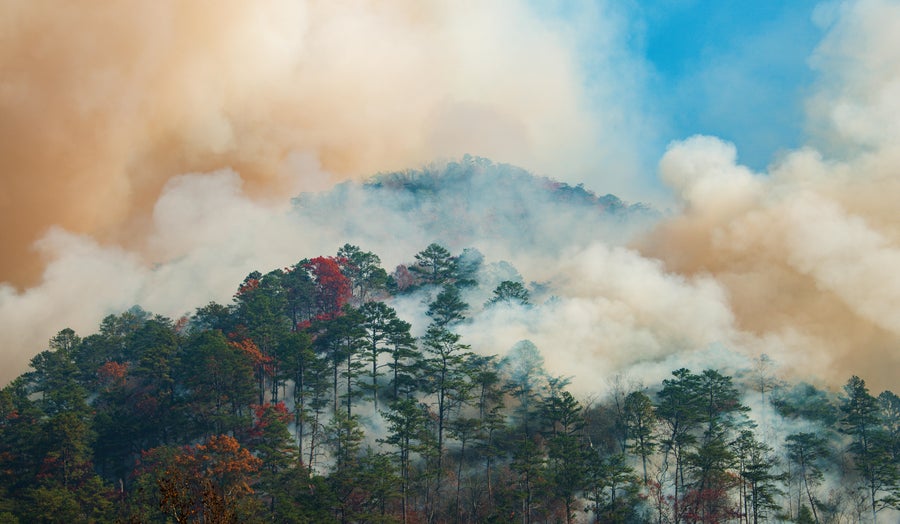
[(309, 398)]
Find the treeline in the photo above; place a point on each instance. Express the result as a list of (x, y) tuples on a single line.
[(308, 399)]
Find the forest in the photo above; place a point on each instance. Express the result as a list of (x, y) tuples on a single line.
[(309, 398)]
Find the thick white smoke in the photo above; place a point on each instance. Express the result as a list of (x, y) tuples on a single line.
[(798, 262)]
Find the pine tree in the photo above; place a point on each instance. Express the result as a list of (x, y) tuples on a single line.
[(870, 448), (378, 321), (435, 265), (807, 451), (448, 308), (640, 422), (566, 455), (407, 421), (447, 380)]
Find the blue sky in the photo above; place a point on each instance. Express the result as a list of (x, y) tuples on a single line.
[(734, 69)]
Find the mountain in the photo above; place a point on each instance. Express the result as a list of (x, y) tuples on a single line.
[(474, 202)]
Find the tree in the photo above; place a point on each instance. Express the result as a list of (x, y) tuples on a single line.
[(677, 408), (333, 288), (762, 377), (719, 416), (756, 467), (219, 379), (463, 429), (719, 411), (260, 307), (435, 265), (807, 451), (364, 270), (155, 348), (341, 338), (270, 440), (344, 437), (528, 380), (872, 457), (307, 373), (509, 292), (566, 456), (378, 321), (889, 405), (55, 377), (405, 358), (528, 465), (488, 396), (447, 380), (640, 422), (300, 297), (448, 307), (612, 488), (407, 422), (468, 263), (209, 482), (213, 316)]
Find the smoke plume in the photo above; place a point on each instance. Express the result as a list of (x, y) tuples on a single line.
[(150, 149), (101, 106)]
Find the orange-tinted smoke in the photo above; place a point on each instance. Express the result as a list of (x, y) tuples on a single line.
[(101, 104)]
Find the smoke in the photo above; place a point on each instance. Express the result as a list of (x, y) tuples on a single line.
[(809, 250), (255, 100), (102, 106)]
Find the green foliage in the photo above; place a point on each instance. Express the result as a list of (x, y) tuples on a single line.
[(259, 410), (509, 292), (805, 401), (364, 270), (871, 446), (448, 308), (435, 265)]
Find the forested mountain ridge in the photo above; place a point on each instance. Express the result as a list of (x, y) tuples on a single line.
[(472, 200), (309, 398)]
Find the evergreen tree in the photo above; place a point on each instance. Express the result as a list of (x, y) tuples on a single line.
[(344, 437), (720, 415), (566, 455), (364, 270), (219, 383), (299, 295), (341, 339), (446, 378), (448, 308), (509, 292), (527, 382), (435, 265), (807, 451), (870, 447), (378, 321), (678, 410), (613, 490), (640, 423), (407, 422), (757, 469), (404, 358)]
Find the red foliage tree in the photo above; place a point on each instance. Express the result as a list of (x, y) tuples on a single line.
[(265, 414), (112, 374), (209, 482), (333, 288)]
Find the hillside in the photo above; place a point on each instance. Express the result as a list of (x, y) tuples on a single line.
[(335, 391), (473, 202)]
